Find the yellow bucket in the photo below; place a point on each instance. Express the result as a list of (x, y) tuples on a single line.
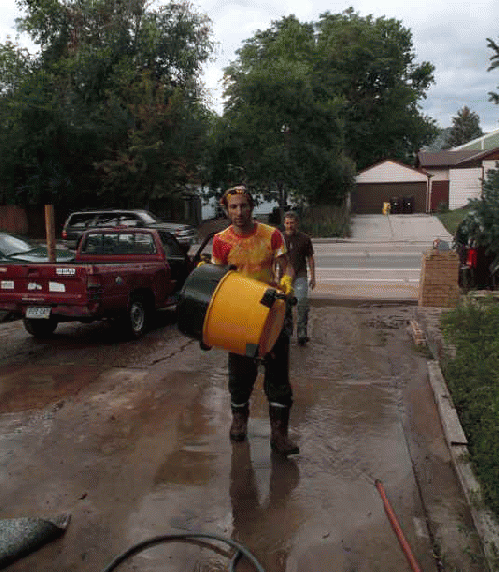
[(243, 316), (238, 318)]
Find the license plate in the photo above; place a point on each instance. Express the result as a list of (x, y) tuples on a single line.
[(37, 312)]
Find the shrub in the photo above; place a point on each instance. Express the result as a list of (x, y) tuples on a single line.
[(326, 221), (473, 380), (481, 225)]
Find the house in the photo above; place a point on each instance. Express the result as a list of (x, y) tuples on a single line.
[(383, 181), (486, 142), (457, 175)]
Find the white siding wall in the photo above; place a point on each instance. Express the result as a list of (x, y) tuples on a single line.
[(464, 184), (438, 174), (390, 172), (487, 165)]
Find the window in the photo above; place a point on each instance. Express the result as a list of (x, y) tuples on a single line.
[(109, 243), (119, 243), (128, 220), (93, 244), (81, 220), (144, 244), (106, 220), (171, 246)]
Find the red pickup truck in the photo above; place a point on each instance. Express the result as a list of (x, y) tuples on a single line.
[(119, 273)]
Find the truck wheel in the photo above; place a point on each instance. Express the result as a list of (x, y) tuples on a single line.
[(137, 318), (40, 328)]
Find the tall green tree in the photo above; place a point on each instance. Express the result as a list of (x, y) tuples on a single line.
[(370, 63), (305, 102), (279, 131), (494, 58), (111, 107), (465, 127)]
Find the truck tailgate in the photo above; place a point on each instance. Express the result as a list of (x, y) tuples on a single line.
[(48, 284)]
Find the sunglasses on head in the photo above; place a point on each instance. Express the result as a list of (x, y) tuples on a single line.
[(236, 191)]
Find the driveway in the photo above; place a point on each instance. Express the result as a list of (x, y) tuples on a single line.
[(131, 440), (415, 228)]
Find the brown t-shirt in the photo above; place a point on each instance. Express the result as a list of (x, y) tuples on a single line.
[(299, 247)]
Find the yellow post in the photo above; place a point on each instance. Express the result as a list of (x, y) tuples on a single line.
[(386, 208), (50, 231)]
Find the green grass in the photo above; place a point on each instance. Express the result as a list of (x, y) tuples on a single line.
[(451, 219), (473, 380)]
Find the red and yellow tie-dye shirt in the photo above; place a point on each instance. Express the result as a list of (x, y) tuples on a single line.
[(253, 254)]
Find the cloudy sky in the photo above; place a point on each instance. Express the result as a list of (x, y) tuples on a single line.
[(451, 34)]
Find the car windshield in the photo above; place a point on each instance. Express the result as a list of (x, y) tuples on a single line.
[(148, 218), (29, 255), (13, 244)]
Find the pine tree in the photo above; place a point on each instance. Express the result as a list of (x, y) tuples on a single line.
[(493, 96), (466, 127)]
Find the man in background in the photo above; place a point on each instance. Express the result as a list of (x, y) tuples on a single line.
[(300, 253)]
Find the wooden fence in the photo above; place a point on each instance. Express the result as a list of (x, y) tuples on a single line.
[(28, 221), (13, 219)]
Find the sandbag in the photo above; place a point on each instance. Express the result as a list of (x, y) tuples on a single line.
[(22, 536)]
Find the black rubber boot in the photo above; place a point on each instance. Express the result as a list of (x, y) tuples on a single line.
[(239, 427), (279, 440)]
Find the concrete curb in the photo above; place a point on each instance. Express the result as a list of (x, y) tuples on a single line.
[(485, 525), (390, 241), (323, 300)]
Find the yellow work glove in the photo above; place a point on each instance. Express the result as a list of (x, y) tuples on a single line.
[(205, 259), (286, 284)]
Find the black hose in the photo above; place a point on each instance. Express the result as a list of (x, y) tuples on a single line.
[(140, 546)]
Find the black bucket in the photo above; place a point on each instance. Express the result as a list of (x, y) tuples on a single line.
[(195, 297)]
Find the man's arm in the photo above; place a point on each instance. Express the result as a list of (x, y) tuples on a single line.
[(311, 264), (283, 267), (284, 274)]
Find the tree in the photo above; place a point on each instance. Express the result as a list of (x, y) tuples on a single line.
[(440, 140), (480, 227), (494, 97), (305, 102), (110, 108), (369, 63), (279, 129), (465, 127)]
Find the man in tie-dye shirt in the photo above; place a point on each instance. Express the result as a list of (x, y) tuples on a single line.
[(257, 251)]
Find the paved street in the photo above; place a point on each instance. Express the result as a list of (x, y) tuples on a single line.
[(382, 259)]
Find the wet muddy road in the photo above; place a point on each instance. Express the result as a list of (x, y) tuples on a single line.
[(131, 440)]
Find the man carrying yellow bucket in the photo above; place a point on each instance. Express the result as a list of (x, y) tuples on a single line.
[(257, 251)]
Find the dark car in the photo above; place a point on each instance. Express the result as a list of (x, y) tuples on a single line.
[(78, 222), (15, 248)]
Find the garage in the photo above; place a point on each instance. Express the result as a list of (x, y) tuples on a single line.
[(387, 180)]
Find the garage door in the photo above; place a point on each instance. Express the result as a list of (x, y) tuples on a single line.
[(368, 198)]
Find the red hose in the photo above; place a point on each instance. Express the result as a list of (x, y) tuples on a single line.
[(396, 527)]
